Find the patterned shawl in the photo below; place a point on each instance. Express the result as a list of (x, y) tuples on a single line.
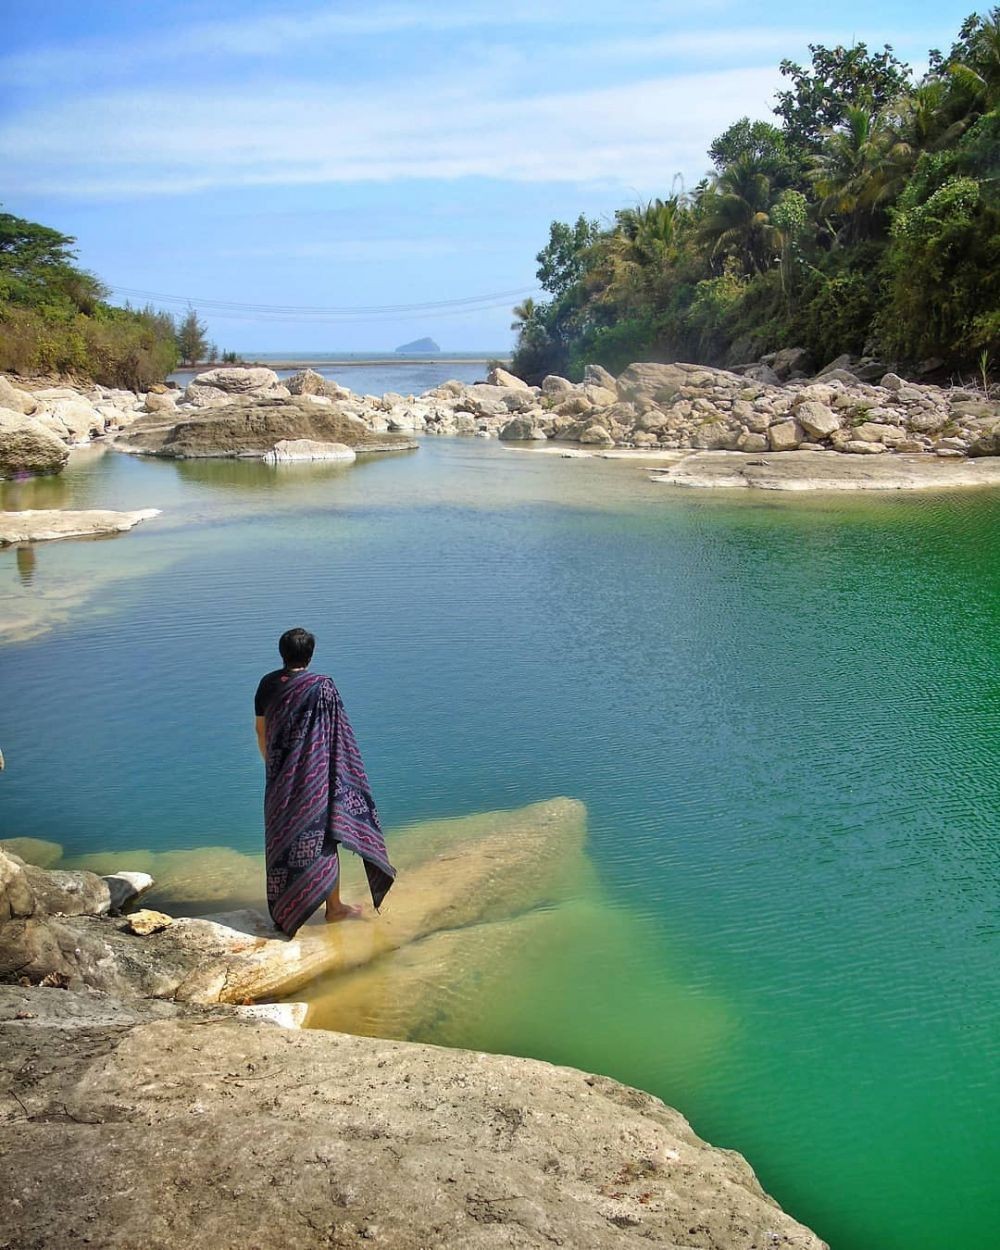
[(316, 796)]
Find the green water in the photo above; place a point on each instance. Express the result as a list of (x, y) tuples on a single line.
[(780, 712)]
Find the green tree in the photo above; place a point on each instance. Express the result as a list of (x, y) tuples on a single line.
[(759, 142), (192, 338), (838, 79), (735, 217), (562, 262), (36, 268)]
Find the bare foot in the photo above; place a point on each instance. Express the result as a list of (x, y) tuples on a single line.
[(342, 911)]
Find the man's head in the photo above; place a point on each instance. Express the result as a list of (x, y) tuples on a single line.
[(296, 647)]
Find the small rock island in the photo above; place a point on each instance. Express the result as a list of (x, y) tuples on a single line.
[(418, 346)]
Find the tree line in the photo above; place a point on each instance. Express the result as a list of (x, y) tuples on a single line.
[(55, 318), (865, 220)]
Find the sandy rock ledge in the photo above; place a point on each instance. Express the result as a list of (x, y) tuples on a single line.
[(148, 1106), (43, 524), (238, 1133)]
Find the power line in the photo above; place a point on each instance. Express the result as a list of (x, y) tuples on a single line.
[(314, 319), (238, 310)]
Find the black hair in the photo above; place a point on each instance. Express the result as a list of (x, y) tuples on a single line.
[(296, 647)]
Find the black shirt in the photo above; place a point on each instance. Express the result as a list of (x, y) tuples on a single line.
[(271, 685)]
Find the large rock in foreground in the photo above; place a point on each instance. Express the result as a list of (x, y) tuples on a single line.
[(27, 447), (251, 428), (240, 1134)]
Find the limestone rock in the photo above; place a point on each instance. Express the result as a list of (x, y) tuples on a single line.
[(597, 375), (15, 399), (715, 435), (79, 417), (842, 364), (145, 922), (239, 1134), (290, 449), (858, 447), (125, 888), (877, 432), (556, 388), (600, 396), (522, 429), (657, 383), (239, 381), (761, 373), (751, 442), (46, 524), (817, 419), (785, 435), (500, 377), (27, 447), (474, 870), (252, 427), (596, 435), (160, 401), (823, 471), (309, 382), (987, 444), (62, 893), (892, 382), (17, 899), (790, 360)]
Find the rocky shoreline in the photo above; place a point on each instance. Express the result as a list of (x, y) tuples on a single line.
[(133, 1062), (655, 408)]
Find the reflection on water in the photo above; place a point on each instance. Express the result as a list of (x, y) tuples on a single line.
[(780, 713), (26, 563), (24, 494)]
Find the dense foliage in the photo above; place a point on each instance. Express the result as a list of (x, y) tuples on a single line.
[(54, 317), (865, 220)]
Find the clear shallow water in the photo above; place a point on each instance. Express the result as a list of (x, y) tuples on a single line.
[(781, 714)]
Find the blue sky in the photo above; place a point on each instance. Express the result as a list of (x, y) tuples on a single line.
[(347, 155)]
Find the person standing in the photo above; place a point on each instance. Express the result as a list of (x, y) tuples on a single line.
[(316, 795)]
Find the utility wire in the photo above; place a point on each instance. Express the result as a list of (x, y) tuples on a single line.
[(274, 311)]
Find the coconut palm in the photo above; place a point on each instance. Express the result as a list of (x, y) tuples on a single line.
[(735, 218), (523, 313), (977, 74), (860, 171)]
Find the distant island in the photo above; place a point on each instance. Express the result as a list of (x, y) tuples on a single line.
[(418, 345)]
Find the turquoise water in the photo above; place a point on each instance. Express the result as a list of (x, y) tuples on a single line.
[(781, 713)]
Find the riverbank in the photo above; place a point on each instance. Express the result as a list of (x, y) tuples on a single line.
[(651, 408), (404, 1145)]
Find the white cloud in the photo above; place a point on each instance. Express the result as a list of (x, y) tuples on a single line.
[(278, 33), (135, 142)]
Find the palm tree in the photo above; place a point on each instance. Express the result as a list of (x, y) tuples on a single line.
[(978, 75), (735, 220), (861, 169), (631, 257), (523, 313)]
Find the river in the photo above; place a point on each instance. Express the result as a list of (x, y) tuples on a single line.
[(781, 714)]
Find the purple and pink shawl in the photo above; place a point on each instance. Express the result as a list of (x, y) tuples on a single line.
[(316, 797)]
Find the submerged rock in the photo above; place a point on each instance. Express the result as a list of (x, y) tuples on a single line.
[(482, 868)]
